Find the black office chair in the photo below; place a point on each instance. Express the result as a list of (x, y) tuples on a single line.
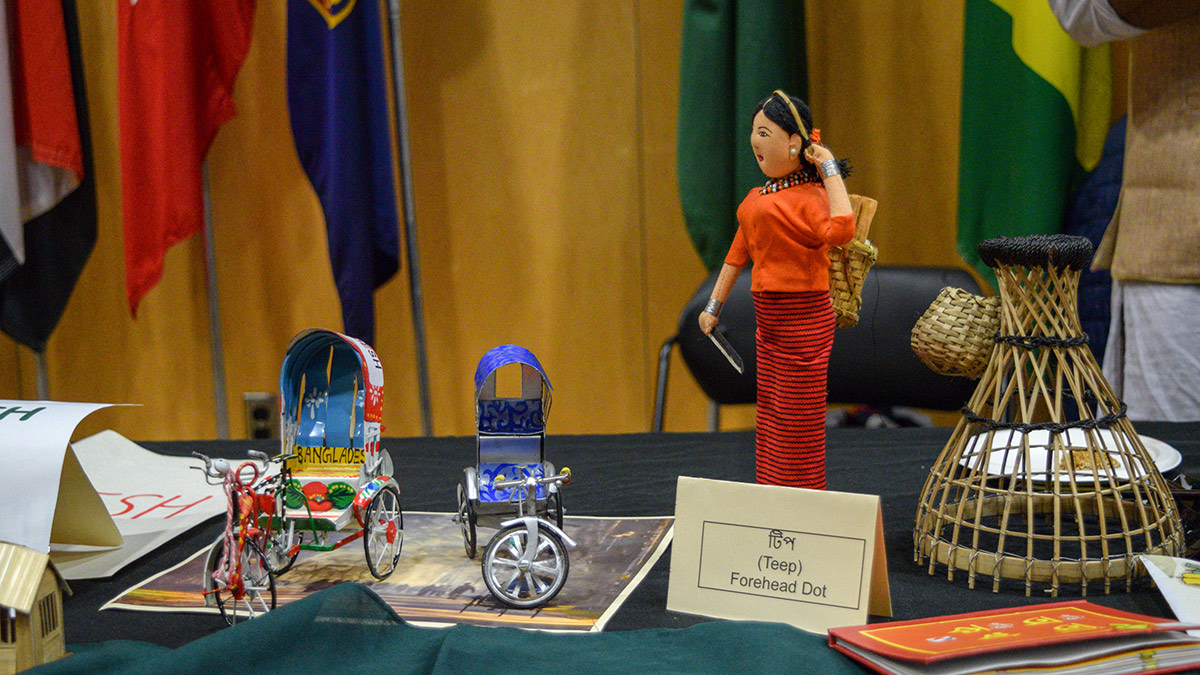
[(871, 364), (721, 383)]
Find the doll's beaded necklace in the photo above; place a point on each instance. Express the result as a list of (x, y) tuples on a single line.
[(790, 180)]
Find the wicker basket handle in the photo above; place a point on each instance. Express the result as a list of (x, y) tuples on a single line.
[(864, 211)]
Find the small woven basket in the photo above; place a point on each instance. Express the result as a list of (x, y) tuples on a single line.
[(956, 334), (849, 264), (848, 267)]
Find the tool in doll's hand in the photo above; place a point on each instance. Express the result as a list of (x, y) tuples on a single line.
[(717, 335)]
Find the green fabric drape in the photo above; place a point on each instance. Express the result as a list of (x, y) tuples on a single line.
[(733, 55), (348, 629)]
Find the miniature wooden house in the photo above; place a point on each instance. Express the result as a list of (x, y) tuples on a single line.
[(31, 610)]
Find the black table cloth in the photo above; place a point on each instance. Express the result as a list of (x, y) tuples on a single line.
[(633, 475)]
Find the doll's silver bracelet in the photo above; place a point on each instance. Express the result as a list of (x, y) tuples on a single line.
[(714, 307), (830, 168)]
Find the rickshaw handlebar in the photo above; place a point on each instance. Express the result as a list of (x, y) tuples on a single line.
[(564, 477), (215, 469)]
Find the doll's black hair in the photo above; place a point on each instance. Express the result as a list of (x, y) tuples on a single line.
[(778, 112)]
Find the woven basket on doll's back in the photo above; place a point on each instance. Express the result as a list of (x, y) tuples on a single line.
[(956, 334), (849, 264)]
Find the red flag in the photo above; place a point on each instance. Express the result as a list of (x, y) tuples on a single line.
[(177, 63), (44, 148), (45, 117)]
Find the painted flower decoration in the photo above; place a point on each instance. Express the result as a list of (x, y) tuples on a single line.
[(318, 499)]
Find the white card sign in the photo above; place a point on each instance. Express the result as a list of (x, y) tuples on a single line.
[(150, 497), (38, 474), (814, 559)]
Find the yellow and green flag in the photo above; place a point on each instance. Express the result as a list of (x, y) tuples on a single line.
[(1035, 111)]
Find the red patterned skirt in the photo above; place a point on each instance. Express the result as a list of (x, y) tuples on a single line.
[(795, 336)]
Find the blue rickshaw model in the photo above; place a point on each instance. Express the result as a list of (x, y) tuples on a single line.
[(512, 487)]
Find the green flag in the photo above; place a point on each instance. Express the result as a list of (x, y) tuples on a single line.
[(1035, 111), (733, 55)]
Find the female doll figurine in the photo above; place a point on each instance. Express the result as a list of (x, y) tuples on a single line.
[(786, 227)]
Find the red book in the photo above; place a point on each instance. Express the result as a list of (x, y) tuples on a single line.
[(1062, 637)]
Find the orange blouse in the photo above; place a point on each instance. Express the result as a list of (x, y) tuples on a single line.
[(788, 234)]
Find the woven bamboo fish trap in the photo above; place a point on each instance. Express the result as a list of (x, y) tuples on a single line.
[(1044, 480)]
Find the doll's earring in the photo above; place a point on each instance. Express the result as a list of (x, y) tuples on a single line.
[(793, 151)]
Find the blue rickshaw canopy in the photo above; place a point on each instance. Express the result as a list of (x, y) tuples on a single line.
[(498, 357)]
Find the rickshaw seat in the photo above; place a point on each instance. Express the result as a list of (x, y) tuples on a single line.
[(311, 434), (489, 471), (508, 455), (506, 449), (511, 416)]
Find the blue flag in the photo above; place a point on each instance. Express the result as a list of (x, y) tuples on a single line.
[(338, 98)]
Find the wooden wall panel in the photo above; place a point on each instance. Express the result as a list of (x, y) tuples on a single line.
[(886, 84), (543, 143), (524, 129), (672, 270)]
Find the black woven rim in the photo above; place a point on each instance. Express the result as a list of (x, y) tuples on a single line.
[(1037, 250), (1053, 427), (1035, 341)]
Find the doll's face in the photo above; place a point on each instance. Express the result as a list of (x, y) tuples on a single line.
[(773, 147)]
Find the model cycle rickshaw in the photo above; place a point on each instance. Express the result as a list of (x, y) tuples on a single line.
[(513, 488), (332, 477), (236, 577)]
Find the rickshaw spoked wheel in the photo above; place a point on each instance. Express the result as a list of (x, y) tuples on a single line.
[(276, 558), (383, 535), (519, 586), (258, 584), (554, 508), (466, 520)]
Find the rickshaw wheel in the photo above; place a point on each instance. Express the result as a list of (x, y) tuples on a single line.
[(554, 508), (525, 588), (466, 521), (384, 532), (277, 558), (258, 581)]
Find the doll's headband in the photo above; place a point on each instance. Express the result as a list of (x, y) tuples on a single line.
[(795, 113)]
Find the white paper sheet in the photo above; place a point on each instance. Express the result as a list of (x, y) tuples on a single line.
[(1184, 599), (151, 497), (33, 442)]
